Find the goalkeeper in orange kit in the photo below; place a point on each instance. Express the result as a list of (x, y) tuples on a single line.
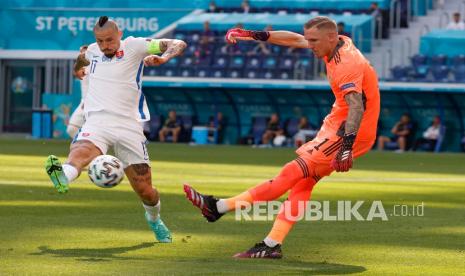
[(347, 132)]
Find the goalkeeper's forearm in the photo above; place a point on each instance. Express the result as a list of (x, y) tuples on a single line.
[(355, 115), (286, 38)]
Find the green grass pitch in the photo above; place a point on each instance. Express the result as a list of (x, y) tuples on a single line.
[(102, 231)]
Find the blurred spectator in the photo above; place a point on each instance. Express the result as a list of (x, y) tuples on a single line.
[(430, 136), (404, 13), (216, 123), (273, 129), (245, 6), (456, 23), (340, 29), (377, 16), (262, 47), (172, 126), (374, 10), (206, 39), (402, 131), (212, 8), (306, 132), (441, 4)]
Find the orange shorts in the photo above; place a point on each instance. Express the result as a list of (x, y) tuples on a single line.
[(319, 153)]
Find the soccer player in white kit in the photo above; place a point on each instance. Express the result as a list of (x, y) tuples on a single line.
[(114, 108), (77, 118)]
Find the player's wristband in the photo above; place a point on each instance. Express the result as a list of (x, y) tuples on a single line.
[(348, 141), (260, 35), (153, 47)]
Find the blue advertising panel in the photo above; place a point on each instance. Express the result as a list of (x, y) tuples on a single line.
[(39, 25)]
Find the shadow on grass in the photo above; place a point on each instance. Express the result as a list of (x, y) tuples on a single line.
[(324, 268), (266, 266), (120, 210), (92, 254)]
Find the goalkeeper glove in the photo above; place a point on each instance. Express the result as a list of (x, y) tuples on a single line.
[(343, 159), (237, 32)]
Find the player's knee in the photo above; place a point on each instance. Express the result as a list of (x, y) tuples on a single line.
[(81, 153), (72, 130)]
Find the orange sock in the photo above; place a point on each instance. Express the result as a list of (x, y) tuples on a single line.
[(298, 199), (280, 230)]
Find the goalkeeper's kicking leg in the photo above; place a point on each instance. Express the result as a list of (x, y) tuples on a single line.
[(299, 175), (296, 176), (213, 208), (291, 210)]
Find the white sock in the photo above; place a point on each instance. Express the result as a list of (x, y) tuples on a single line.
[(153, 211), (70, 172), (222, 206), (270, 242)]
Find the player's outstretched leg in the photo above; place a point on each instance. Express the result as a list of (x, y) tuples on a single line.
[(54, 170), (162, 233), (206, 203), (270, 247), (80, 155), (261, 250), (140, 177)]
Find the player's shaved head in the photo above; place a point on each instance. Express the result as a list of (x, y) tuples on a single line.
[(104, 23), (108, 36), (321, 34), (321, 23)]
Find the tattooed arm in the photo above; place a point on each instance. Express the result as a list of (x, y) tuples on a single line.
[(172, 47), (343, 159), (356, 109), (169, 48)]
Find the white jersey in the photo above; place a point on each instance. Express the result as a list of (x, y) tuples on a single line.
[(115, 83)]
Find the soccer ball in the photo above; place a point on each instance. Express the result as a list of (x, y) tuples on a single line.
[(106, 171)]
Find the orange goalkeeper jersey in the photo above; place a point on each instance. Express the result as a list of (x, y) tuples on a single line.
[(348, 71)]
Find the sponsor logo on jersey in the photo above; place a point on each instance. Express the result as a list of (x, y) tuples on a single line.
[(120, 54), (347, 86), (85, 134)]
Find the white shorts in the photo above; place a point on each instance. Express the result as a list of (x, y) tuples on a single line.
[(125, 135), (77, 118)]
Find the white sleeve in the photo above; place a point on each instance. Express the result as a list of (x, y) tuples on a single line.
[(85, 84), (143, 46), (87, 55)]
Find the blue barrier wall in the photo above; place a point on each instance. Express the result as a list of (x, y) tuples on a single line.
[(240, 104), (30, 24)]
